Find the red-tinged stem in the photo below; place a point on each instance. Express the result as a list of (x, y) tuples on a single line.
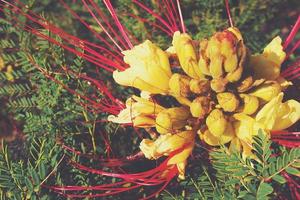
[(102, 27), (289, 70), (289, 144), (118, 23), (284, 133), (94, 103), (293, 186), (98, 36), (181, 18), (292, 34), (101, 87), (169, 15), (104, 18), (294, 76), (46, 24), (296, 46), (127, 43), (71, 39), (151, 23), (157, 16), (228, 13)]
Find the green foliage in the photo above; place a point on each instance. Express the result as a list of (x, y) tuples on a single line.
[(24, 179), (46, 113)]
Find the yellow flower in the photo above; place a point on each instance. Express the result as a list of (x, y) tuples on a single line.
[(168, 143), (186, 54), (172, 119), (139, 111), (149, 69), (277, 115), (267, 65)]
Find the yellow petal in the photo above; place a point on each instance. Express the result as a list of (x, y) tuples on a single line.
[(251, 104), (186, 54), (167, 143), (200, 106), (143, 122), (246, 127), (228, 101), (172, 119), (212, 140), (181, 169), (288, 114), (216, 122), (268, 114), (267, 65), (179, 85), (175, 142), (136, 107), (149, 69), (267, 91)]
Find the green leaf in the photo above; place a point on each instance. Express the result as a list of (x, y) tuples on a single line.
[(279, 179), (264, 190), (293, 171), (29, 184), (42, 170)]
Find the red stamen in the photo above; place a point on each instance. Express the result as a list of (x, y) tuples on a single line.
[(181, 18), (292, 34), (119, 25), (157, 16), (228, 13), (293, 49)]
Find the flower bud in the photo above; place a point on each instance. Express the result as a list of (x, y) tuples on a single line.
[(216, 122), (218, 84), (172, 119), (200, 107), (251, 104), (179, 85), (203, 60), (235, 75), (186, 54), (231, 63), (228, 101), (166, 144), (267, 91), (245, 84), (138, 111), (200, 86), (213, 140)]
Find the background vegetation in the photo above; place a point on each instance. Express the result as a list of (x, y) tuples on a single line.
[(37, 115)]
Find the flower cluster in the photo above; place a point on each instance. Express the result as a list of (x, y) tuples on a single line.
[(215, 88)]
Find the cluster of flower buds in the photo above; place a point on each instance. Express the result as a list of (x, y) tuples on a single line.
[(218, 91)]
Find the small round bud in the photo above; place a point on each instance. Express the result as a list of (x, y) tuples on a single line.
[(228, 101), (179, 85), (218, 85), (216, 122), (199, 86), (200, 107)]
